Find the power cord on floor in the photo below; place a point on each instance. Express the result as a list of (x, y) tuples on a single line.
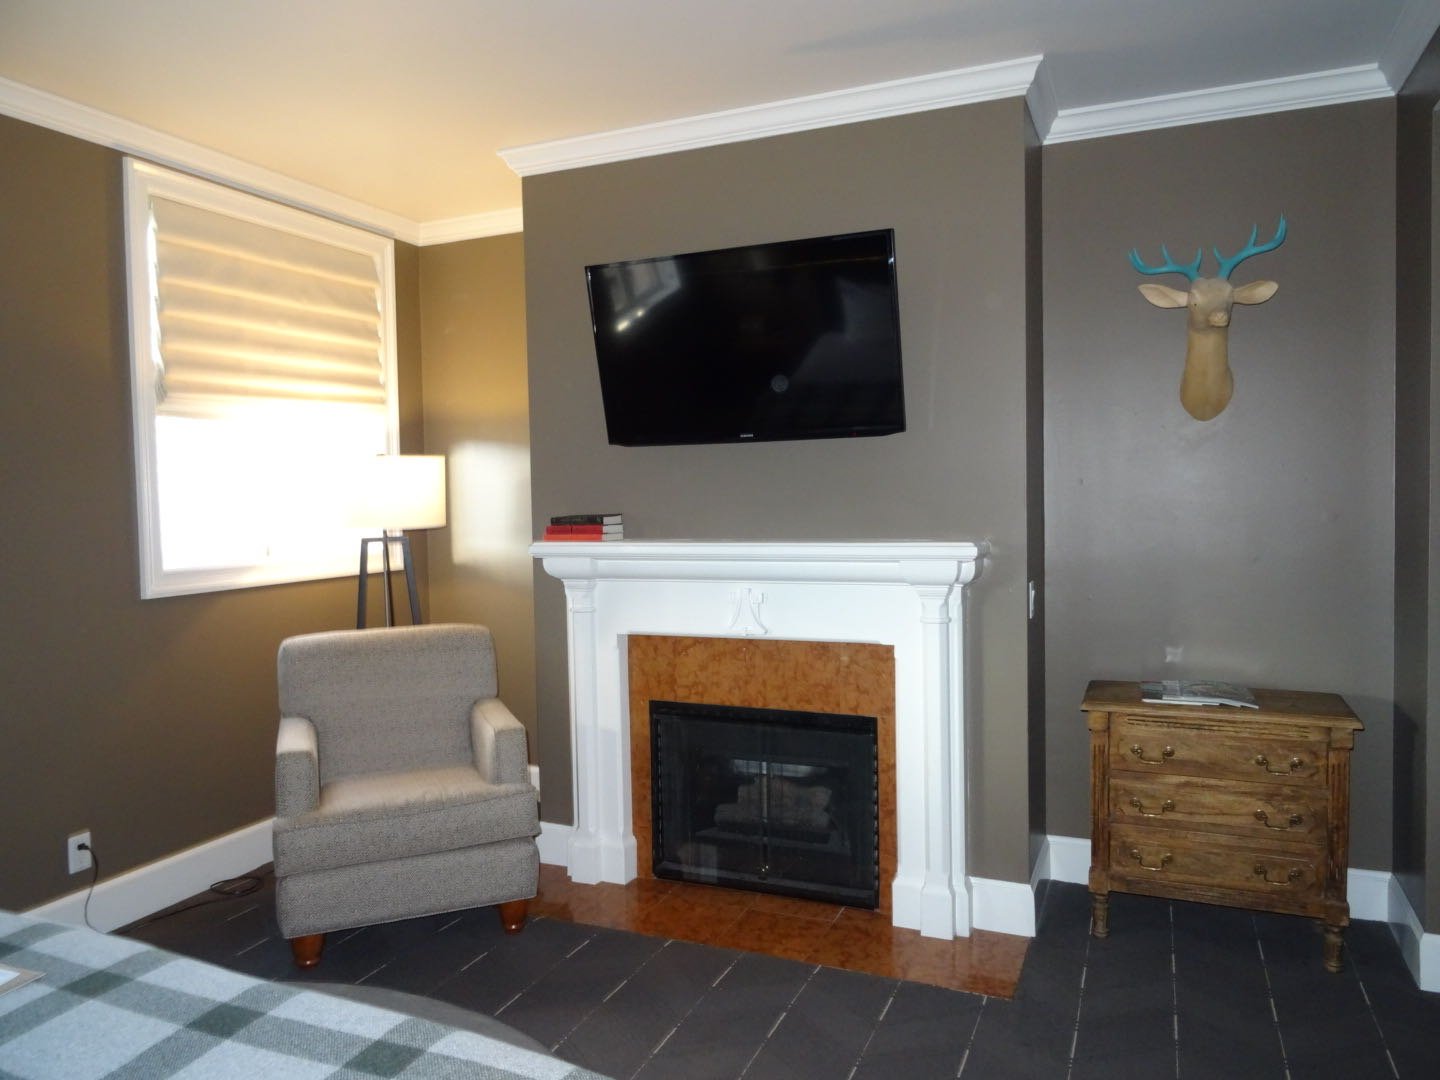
[(228, 889)]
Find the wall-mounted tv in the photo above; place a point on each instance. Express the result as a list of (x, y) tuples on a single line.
[(792, 340)]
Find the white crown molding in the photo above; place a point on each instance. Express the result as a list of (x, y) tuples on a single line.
[(1042, 101), (472, 226), (105, 129), (941, 90), (1336, 87), (1413, 29)]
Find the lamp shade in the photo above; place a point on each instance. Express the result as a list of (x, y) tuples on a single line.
[(400, 491)]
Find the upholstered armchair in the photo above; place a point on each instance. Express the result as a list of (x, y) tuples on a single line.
[(401, 783)]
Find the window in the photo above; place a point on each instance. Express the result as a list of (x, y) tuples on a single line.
[(263, 369)]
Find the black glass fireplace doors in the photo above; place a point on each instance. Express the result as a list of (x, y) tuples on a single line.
[(766, 799)]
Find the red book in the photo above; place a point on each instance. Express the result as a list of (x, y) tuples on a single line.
[(582, 532)]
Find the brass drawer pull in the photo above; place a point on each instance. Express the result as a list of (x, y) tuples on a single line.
[(1164, 859), (1139, 752), (1291, 876), (1291, 822), (1167, 805), (1264, 763)]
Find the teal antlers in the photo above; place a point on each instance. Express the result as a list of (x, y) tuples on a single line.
[(1207, 385)]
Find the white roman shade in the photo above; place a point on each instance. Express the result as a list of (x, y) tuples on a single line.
[(249, 314), (263, 375)]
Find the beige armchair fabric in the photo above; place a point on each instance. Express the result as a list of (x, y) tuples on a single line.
[(401, 783)]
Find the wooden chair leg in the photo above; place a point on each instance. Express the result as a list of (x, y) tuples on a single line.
[(512, 915), (306, 949)]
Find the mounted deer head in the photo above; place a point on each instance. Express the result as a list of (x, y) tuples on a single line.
[(1207, 384)]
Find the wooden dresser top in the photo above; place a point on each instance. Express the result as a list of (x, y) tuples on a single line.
[(1328, 709)]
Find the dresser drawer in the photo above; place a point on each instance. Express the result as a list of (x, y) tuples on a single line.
[(1147, 857), (1156, 746), (1260, 810)]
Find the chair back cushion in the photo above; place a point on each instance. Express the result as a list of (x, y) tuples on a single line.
[(387, 699)]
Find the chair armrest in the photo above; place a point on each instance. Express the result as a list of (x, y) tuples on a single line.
[(297, 767), (498, 740)]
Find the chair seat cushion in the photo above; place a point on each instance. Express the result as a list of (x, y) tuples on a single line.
[(363, 819)]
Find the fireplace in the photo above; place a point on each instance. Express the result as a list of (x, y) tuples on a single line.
[(772, 800), (904, 595)]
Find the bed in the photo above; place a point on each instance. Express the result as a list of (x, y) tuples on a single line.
[(110, 1006)]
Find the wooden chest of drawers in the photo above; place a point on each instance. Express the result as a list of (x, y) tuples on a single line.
[(1236, 806)]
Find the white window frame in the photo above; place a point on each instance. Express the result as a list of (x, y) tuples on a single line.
[(143, 180)]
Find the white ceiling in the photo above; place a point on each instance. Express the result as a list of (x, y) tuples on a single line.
[(402, 107)]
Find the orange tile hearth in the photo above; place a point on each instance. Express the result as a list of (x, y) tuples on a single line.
[(804, 930)]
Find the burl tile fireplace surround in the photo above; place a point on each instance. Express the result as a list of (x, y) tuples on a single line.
[(872, 628)]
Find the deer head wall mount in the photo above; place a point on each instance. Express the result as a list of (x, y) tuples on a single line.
[(1207, 384)]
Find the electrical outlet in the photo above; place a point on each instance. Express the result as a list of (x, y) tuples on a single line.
[(79, 858)]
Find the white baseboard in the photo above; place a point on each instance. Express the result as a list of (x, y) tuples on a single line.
[(1421, 950), (1006, 907), (554, 843), (1065, 858), (147, 889)]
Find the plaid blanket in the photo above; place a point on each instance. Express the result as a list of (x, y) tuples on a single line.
[(112, 1007)]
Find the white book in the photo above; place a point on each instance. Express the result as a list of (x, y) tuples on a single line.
[(14, 978)]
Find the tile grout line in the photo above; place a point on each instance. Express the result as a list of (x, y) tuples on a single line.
[(1079, 1002), (775, 1026), (531, 984), (615, 990), (1174, 993), (676, 1026), (1270, 994), (970, 1042), (874, 1029), (1375, 1019)]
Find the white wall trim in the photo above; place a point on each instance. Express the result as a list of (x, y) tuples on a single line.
[(1004, 907), (962, 86), (472, 226), (1066, 858), (1421, 950), (1336, 87), (1042, 100), (123, 899), (60, 114), (554, 843), (1413, 29)]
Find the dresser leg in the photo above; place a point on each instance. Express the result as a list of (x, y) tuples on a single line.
[(1100, 914), (1334, 946)]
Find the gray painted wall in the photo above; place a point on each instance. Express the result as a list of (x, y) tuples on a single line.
[(952, 185), (1417, 474), (472, 306), (149, 722), (1258, 544)]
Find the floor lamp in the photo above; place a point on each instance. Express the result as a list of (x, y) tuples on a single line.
[(404, 491)]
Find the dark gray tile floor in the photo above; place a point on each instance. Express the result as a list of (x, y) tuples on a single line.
[(1177, 990)]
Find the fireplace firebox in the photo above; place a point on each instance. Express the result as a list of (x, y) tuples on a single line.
[(766, 799)]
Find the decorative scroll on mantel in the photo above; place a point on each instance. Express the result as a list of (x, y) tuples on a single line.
[(906, 594)]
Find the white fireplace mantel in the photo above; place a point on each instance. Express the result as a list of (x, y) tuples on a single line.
[(906, 594)]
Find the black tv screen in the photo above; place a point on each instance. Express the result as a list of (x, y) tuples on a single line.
[(792, 340)]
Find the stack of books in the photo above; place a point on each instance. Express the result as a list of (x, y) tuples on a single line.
[(586, 527)]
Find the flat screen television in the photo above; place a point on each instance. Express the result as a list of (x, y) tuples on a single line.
[(792, 340)]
